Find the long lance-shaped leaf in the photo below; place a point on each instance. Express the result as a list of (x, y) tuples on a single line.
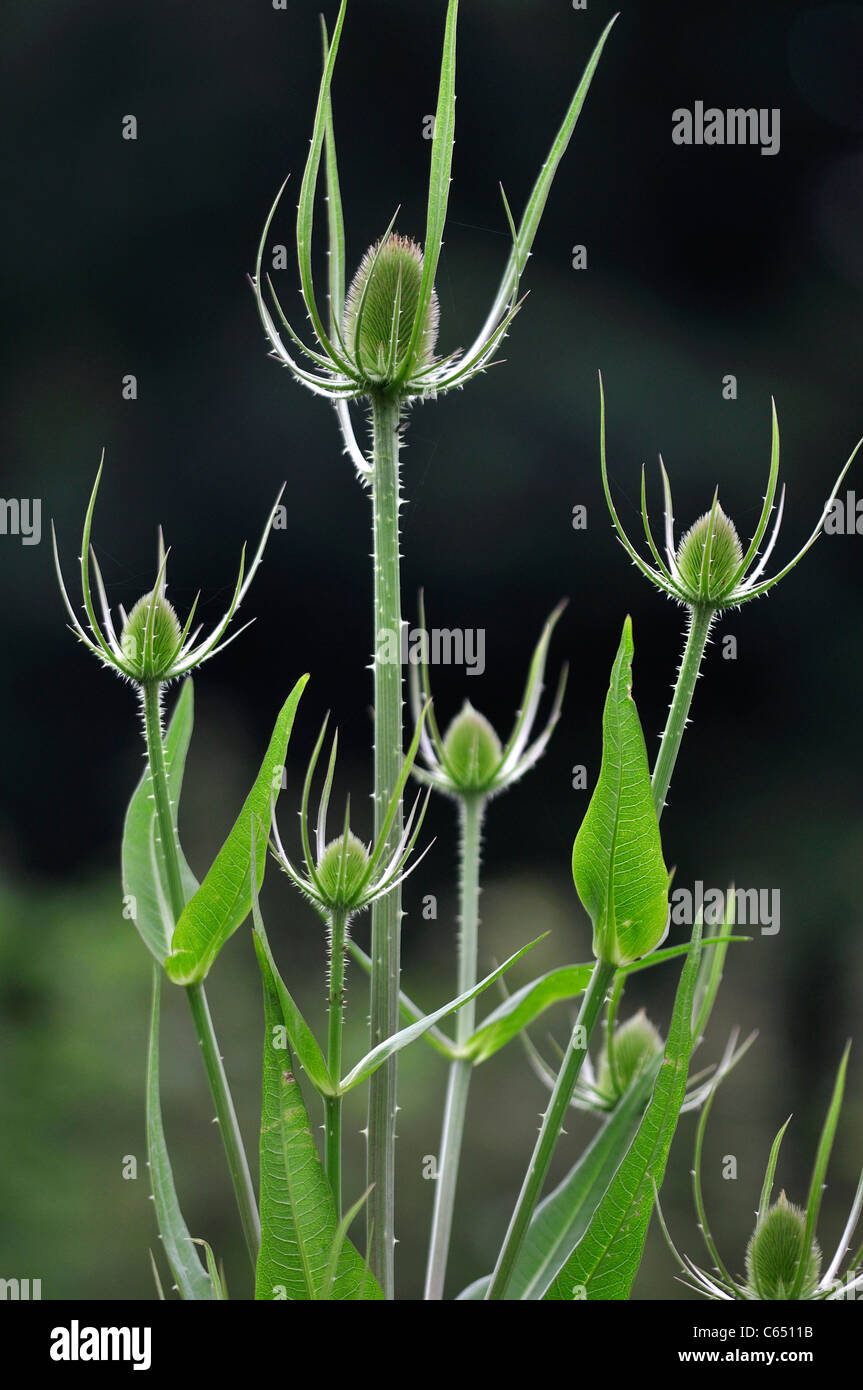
[(336, 266), (522, 1007), (539, 197), (819, 1172), (712, 964), (306, 207), (672, 952), (439, 182), (335, 214), (300, 1035), (191, 1278), (606, 1259), (617, 862), (562, 1218), (408, 1009), (299, 1225), (389, 1046), (145, 883), (224, 899)]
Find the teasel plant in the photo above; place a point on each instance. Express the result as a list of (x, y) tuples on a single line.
[(375, 344), (149, 648), (630, 1049), (469, 764), (343, 877), (707, 572), (783, 1261)]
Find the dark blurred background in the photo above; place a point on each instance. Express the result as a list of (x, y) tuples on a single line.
[(130, 257)]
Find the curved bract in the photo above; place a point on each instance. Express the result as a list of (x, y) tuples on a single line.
[(151, 647), (783, 1257), (709, 568), (384, 343)]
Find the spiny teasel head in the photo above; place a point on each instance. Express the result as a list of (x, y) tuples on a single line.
[(774, 1254), (472, 749), (151, 646), (343, 876), (381, 309), (342, 871), (783, 1257), (344, 359), (150, 637), (636, 1043), (709, 569), (709, 557), (469, 760)]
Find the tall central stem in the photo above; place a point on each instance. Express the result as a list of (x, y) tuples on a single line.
[(333, 1104), (386, 912), (458, 1084)]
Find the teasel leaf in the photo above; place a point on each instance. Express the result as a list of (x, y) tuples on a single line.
[(224, 899)]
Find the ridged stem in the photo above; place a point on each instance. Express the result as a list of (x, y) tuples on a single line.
[(386, 912), (472, 810), (225, 1113), (333, 1104), (700, 622)]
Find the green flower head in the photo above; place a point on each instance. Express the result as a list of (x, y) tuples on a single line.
[(774, 1254), (470, 760), (152, 647), (472, 749), (150, 636), (710, 569), (344, 875), (783, 1257), (378, 338), (381, 310), (342, 870), (636, 1043), (709, 557)]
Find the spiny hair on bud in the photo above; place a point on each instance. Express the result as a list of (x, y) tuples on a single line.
[(726, 556), (774, 1253), (341, 870), (151, 661), (389, 279)]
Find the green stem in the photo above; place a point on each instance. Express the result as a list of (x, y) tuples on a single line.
[(386, 912), (152, 699), (227, 1116), (610, 1021), (225, 1113), (333, 1104), (700, 622), (455, 1108), (552, 1123)]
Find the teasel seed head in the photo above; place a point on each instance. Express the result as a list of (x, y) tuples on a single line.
[(150, 637), (774, 1253), (473, 750), (636, 1043), (342, 871), (709, 558), (381, 308)]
